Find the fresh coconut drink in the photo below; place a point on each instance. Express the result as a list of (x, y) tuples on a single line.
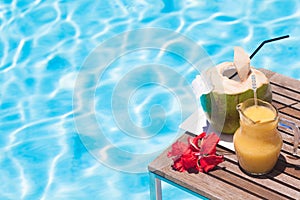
[(224, 92)]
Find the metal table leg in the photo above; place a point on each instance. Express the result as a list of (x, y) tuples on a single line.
[(155, 187)]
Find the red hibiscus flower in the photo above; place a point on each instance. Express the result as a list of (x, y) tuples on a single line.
[(198, 155)]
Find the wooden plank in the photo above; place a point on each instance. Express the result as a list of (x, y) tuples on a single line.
[(289, 165), (268, 73), (287, 93), (208, 186), (296, 106), (250, 184), (285, 114), (287, 172), (282, 189), (291, 169), (278, 105), (272, 181), (288, 149), (286, 135), (285, 179), (282, 99), (276, 174), (282, 80), (293, 112), (262, 187)]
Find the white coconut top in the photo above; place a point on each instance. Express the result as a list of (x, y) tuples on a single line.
[(241, 62), (218, 80)]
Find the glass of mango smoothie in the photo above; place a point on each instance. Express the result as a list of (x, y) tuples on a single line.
[(257, 142)]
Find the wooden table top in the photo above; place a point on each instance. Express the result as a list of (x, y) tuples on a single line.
[(227, 181)]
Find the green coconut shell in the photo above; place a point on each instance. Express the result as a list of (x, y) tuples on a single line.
[(219, 106)]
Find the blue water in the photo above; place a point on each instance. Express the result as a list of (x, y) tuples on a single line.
[(49, 152)]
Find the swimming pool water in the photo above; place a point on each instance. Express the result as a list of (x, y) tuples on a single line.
[(44, 48)]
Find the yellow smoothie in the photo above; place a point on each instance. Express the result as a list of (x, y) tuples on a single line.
[(258, 144)]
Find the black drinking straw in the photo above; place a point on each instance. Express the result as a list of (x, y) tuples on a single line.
[(260, 46)]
